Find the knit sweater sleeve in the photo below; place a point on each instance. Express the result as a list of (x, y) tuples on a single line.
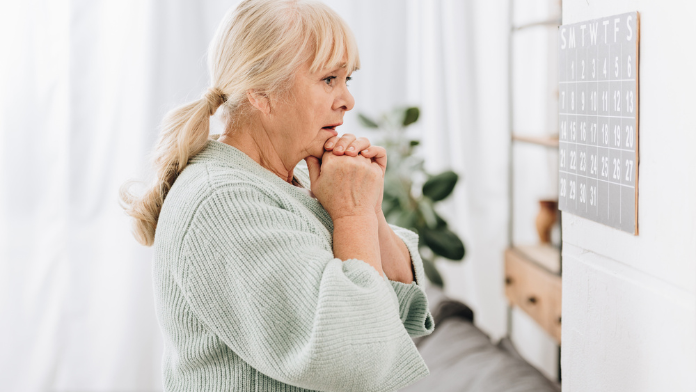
[(413, 303), (270, 288)]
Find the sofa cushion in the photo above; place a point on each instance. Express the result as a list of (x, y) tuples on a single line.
[(462, 358)]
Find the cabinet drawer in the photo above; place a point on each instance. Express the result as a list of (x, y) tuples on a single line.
[(534, 290)]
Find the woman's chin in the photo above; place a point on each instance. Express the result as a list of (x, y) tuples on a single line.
[(317, 153)]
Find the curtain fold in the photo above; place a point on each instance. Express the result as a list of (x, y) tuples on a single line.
[(464, 128)]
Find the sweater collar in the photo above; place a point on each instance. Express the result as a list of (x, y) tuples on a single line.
[(219, 152)]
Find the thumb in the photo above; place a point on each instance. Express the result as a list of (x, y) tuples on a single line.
[(314, 168)]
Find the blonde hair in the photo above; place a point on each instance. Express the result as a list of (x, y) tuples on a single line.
[(258, 46)]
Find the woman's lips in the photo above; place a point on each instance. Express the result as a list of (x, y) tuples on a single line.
[(332, 130)]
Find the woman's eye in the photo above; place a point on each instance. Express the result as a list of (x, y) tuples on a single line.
[(331, 78)]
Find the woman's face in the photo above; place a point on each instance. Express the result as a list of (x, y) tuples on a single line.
[(301, 123)]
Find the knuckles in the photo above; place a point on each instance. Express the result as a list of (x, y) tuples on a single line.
[(344, 163)]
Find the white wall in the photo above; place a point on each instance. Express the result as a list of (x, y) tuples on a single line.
[(629, 303)]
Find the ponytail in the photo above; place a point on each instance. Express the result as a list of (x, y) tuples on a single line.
[(184, 133)]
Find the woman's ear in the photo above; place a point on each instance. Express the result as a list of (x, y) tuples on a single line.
[(259, 100)]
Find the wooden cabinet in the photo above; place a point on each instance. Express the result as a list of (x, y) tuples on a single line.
[(535, 290)]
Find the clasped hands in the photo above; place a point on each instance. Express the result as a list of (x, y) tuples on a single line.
[(367, 174), (349, 183)]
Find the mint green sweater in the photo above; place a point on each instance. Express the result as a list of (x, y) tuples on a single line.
[(250, 297)]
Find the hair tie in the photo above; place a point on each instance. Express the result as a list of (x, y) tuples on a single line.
[(214, 97)]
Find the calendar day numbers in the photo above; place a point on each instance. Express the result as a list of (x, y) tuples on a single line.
[(598, 120)]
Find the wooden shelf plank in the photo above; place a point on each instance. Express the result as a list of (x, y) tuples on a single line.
[(549, 22), (547, 256), (547, 141)]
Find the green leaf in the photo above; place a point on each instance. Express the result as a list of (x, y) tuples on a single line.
[(444, 242), (411, 116), (432, 273), (426, 209), (366, 121), (414, 143), (440, 222), (440, 186)]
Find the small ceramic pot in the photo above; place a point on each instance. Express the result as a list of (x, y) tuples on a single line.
[(548, 211)]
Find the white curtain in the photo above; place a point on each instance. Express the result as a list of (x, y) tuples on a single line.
[(83, 86), (464, 100)]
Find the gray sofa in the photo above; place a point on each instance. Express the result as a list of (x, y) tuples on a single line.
[(462, 358)]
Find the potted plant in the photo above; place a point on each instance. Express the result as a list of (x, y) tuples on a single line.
[(410, 206)]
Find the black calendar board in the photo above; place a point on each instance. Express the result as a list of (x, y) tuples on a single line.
[(598, 120)]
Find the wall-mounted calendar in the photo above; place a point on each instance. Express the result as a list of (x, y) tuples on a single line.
[(598, 120)]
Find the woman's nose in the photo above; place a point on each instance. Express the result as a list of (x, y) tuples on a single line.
[(344, 101)]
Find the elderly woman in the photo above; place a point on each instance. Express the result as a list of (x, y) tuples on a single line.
[(269, 276)]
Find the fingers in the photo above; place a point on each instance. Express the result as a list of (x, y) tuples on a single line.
[(356, 146), (331, 143), (342, 144), (360, 147), (377, 154), (346, 144)]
